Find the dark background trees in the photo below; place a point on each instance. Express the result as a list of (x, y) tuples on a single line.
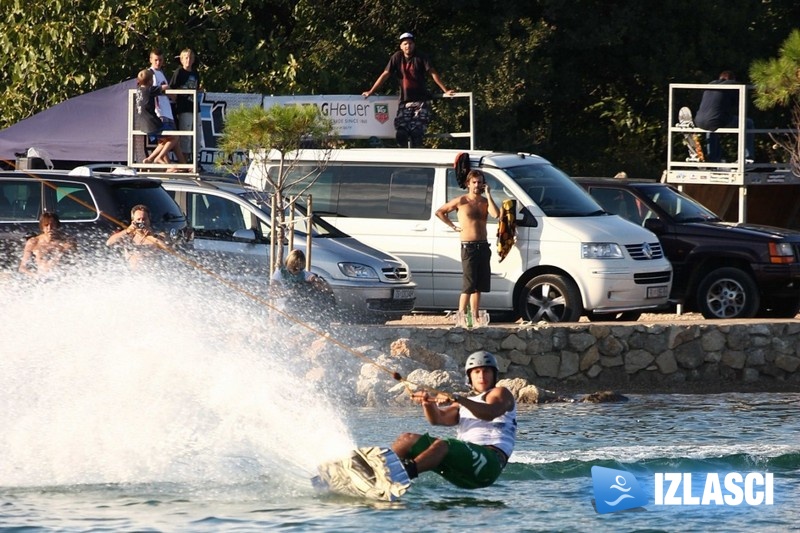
[(581, 82)]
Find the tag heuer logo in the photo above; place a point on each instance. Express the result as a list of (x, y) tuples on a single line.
[(382, 113)]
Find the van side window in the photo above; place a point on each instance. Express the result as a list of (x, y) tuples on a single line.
[(496, 188), (370, 192), (324, 191), (385, 192)]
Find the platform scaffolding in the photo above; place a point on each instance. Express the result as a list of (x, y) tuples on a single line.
[(684, 168), (138, 143)]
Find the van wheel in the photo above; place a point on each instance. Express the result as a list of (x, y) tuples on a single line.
[(551, 298), (727, 293), (626, 316)]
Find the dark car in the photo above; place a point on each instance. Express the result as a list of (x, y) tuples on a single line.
[(90, 204), (720, 269)]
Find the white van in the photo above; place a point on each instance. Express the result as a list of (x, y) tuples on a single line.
[(571, 258)]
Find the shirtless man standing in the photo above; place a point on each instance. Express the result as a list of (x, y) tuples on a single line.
[(473, 210)]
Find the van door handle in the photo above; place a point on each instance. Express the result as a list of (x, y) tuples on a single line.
[(420, 227)]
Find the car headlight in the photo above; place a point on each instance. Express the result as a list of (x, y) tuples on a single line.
[(356, 270), (601, 250), (781, 253)]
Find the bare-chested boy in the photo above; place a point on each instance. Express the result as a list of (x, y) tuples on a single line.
[(46, 249), (473, 210)]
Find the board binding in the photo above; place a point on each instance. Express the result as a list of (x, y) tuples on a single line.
[(373, 472)]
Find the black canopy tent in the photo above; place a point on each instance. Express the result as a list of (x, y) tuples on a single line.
[(89, 128)]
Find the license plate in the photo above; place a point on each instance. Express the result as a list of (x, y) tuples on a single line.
[(657, 292), (403, 294)]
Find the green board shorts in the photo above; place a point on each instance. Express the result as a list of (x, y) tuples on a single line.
[(466, 465)]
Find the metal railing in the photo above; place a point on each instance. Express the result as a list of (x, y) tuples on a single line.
[(137, 139)]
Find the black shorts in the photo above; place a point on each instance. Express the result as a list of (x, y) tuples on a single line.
[(475, 256)]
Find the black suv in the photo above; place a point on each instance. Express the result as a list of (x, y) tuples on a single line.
[(90, 204), (720, 269)]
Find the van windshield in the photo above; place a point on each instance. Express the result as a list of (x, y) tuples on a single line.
[(553, 191)]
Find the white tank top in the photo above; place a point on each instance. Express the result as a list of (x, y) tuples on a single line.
[(500, 432)]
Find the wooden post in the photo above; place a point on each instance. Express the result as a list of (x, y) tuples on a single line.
[(273, 235), (290, 224), (309, 224)]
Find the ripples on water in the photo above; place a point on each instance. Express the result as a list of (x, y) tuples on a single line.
[(129, 403)]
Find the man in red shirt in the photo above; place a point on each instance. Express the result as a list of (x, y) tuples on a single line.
[(413, 112)]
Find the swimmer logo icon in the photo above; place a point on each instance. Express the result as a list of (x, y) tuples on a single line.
[(616, 490)]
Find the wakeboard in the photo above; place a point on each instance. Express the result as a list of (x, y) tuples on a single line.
[(375, 473), (692, 141)]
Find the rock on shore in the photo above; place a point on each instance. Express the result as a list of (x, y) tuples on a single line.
[(367, 380)]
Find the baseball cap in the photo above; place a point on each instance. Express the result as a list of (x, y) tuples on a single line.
[(405, 36)]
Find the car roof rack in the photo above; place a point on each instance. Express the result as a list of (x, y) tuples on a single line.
[(90, 170)]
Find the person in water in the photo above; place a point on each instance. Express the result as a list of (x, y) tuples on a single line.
[(46, 250), (142, 245), (298, 291), (487, 427)]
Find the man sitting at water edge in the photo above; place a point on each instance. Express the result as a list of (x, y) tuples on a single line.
[(487, 427)]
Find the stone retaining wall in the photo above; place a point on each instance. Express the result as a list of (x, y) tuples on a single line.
[(634, 357)]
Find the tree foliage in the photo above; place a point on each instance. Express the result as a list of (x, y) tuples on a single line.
[(282, 130), (583, 83), (777, 82)]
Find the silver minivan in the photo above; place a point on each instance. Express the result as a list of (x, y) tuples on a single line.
[(231, 225)]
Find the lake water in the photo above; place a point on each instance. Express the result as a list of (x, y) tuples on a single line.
[(133, 406)]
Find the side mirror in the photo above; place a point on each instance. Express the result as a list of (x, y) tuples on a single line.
[(247, 235), (656, 225), (526, 218)]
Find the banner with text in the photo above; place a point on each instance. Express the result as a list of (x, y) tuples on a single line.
[(353, 116)]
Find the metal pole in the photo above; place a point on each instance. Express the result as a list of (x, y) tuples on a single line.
[(742, 203), (130, 128), (194, 133), (740, 152), (471, 122), (669, 127)]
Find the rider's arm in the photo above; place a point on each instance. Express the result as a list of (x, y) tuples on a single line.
[(435, 415)]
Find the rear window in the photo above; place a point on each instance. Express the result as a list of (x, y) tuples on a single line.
[(163, 208)]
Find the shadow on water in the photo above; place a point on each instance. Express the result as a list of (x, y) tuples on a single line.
[(449, 502)]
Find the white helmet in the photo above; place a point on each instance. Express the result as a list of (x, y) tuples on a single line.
[(478, 359)]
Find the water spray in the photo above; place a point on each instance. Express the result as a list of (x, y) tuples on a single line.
[(409, 386)]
